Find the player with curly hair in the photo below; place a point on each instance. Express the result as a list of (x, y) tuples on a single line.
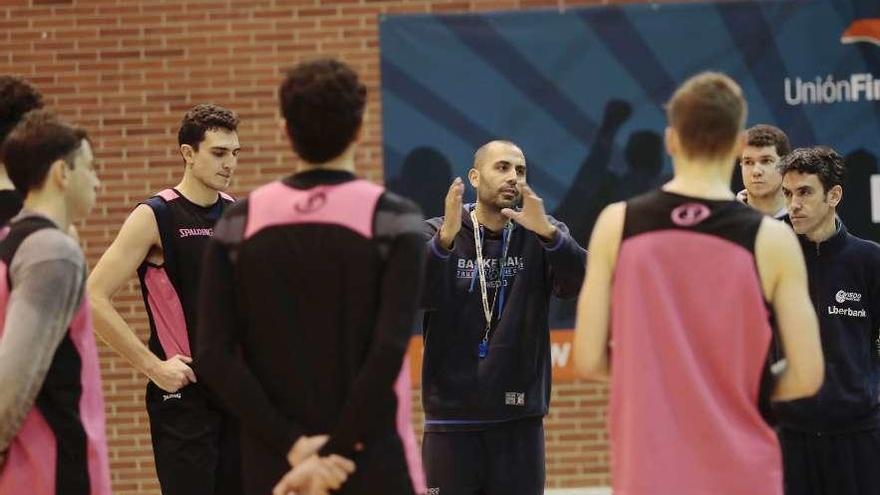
[(315, 279), (17, 97)]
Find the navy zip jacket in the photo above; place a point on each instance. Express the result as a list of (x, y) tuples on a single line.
[(844, 280), (460, 390)]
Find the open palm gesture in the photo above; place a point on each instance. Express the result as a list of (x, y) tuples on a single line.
[(532, 215)]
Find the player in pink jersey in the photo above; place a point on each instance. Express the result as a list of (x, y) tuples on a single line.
[(308, 296), (681, 289), (52, 433)]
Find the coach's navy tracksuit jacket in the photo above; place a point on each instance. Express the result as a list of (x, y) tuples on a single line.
[(460, 390)]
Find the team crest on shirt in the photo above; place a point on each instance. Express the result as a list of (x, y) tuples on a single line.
[(842, 296), (314, 202), (690, 214)]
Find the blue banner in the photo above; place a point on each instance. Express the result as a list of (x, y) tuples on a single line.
[(582, 92)]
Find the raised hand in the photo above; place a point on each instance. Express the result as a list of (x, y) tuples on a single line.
[(452, 215), (532, 216), (173, 374)]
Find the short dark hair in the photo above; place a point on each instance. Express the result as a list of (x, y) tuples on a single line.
[(38, 141), (202, 118), (17, 97), (323, 105), (763, 135), (822, 161), (708, 112)]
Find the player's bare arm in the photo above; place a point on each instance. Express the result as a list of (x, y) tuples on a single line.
[(594, 302), (138, 240), (784, 280)]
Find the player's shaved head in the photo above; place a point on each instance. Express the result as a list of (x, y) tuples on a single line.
[(485, 152)]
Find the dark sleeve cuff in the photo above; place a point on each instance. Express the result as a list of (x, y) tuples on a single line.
[(554, 243), (437, 250)]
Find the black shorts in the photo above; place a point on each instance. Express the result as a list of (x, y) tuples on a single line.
[(195, 444), (839, 464), (505, 459)]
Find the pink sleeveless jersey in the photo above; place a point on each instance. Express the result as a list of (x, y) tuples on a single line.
[(34, 465), (690, 335)]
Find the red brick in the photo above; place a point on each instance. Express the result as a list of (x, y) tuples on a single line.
[(167, 8), (151, 17), (163, 30), (274, 14), (78, 55), (75, 9), (50, 23), (92, 44), (97, 21), (18, 58), (119, 9), (121, 120), (142, 42), (98, 67), (52, 45), (119, 32), (164, 53), (232, 38), (274, 36), (23, 11), (77, 34), (121, 76), (298, 3), (447, 8), (365, 11), (317, 12), (120, 54)]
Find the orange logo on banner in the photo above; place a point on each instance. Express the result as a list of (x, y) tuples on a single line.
[(561, 356), (867, 30)]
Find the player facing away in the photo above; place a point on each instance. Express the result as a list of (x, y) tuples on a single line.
[(52, 429), (681, 287), (308, 298), (195, 443)]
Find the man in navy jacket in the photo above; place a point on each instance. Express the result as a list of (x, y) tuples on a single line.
[(486, 375), (831, 442)]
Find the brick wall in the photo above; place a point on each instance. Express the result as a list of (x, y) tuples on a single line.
[(128, 69)]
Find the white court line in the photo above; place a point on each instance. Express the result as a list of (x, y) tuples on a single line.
[(579, 491)]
